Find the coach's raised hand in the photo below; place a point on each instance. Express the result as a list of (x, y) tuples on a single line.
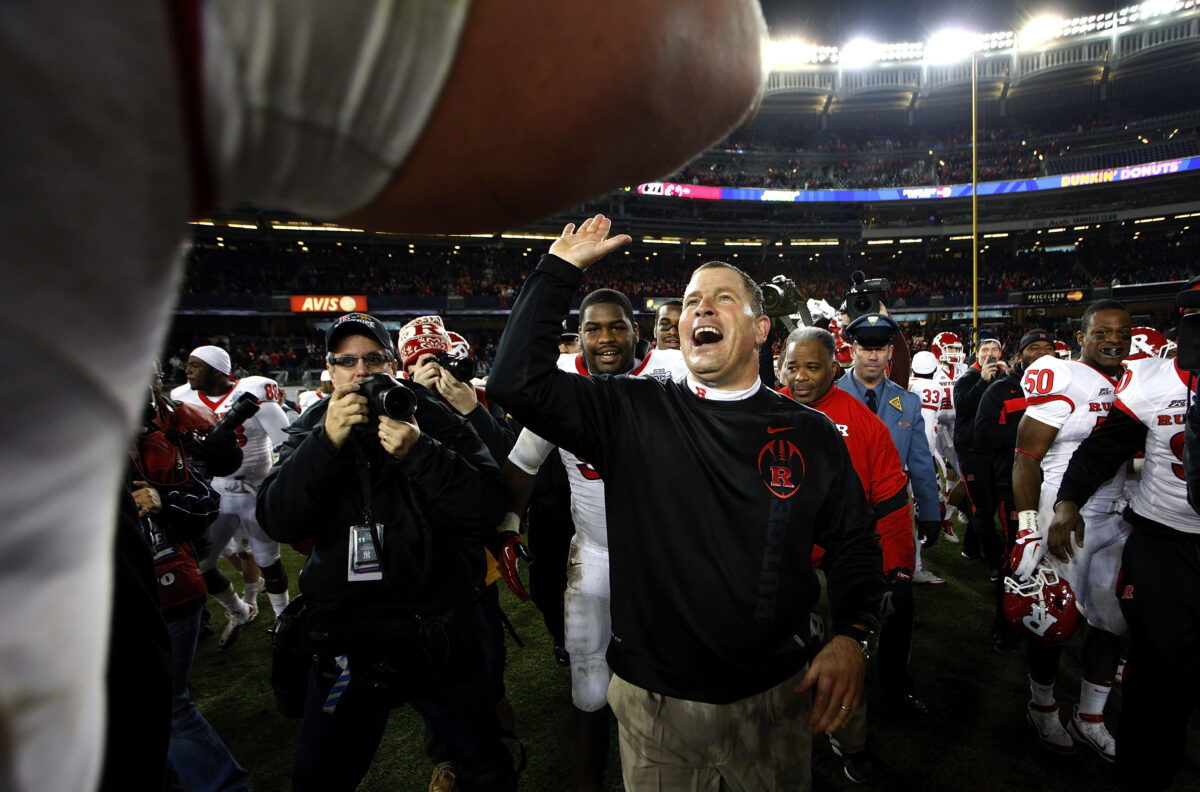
[(586, 245)]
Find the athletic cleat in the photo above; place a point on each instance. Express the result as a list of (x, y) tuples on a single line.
[(927, 577), (443, 777), (236, 624), (1090, 730), (948, 532), (1050, 731)]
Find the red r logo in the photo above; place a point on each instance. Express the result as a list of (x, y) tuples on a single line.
[(778, 462)]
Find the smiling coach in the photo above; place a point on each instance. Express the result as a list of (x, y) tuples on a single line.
[(712, 581)]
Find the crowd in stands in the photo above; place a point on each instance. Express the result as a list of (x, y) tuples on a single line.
[(915, 274), (784, 156)]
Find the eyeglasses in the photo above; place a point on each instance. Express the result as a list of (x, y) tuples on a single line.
[(370, 360)]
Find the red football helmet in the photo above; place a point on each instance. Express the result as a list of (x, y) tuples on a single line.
[(1145, 342), (947, 348), (1062, 350), (1042, 608), (845, 352)]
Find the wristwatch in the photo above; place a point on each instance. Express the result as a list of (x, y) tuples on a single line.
[(868, 640)]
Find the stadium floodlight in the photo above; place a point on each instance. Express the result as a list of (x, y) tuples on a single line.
[(857, 53), (1153, 8), (790, 54), (951, 46), (1039, 29)]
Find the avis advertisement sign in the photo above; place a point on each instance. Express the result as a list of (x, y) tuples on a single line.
[(314, 303)]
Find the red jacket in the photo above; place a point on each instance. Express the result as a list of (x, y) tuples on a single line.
[(884, 481)]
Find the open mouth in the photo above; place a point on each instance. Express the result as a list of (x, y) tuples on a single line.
[(1114, 352), (702, 336)]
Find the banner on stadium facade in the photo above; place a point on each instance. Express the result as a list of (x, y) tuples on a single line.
[(323, 303), (1064, 181)]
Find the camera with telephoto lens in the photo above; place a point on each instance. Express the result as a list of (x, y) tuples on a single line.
[(386, 395), (463, 368), (864, 295), (219, 434), (780, 296)]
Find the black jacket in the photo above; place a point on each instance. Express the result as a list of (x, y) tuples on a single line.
[(996, 421), (435, 505), (712, 510)]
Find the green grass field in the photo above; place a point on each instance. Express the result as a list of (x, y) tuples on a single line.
[(976, 738)]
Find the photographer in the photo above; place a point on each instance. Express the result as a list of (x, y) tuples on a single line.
[(975, 459), (172, 504), (393, 584)]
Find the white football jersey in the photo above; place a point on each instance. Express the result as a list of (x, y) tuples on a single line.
[(946, 375), (1154, 392), (587, 488), (259, 434), (308, 399), (1074, 398), (933, 393)]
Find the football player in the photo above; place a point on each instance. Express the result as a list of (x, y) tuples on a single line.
[(608, 337), (666, 324), (1066, 401), (209, 384), (1159, 573), (930, 383)]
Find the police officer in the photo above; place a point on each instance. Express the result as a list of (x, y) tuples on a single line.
[(900, 410)]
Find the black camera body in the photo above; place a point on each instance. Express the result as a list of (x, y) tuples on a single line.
[(388, 396), (781, 297), (463, 368), (864, 295), (1188, 356)]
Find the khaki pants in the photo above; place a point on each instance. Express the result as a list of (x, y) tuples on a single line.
[(757, 744)]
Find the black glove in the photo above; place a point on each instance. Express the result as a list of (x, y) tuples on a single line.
[(928, 531), (898, 576)]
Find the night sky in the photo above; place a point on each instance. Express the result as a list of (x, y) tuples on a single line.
[(889, 21)]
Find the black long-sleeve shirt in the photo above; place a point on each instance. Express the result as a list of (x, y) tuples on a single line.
[(712, 510), (996, 420), (968, 392)]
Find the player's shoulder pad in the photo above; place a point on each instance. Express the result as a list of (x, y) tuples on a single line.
[(663, 365), (1048, 376), (181, 391), (1148, 374), (572, 364), (259, 386)]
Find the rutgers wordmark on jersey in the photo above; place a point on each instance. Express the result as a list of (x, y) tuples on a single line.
[(1155, 394)]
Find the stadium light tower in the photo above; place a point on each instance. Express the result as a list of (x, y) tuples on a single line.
[(857, 53), (951, 46), (1039, 29)]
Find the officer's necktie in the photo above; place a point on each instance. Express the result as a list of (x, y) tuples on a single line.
[(872, 402)]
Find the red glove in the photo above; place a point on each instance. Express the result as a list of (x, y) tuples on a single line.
[(511, 549)]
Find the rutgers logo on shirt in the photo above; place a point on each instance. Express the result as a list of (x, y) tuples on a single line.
[(781, 466)]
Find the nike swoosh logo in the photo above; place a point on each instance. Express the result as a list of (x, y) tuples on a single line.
[(775, 429)]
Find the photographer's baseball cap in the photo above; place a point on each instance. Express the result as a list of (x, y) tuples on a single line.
[(214, 356), (872, 331), (358, 324), (421, 336), (1033, 336)]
